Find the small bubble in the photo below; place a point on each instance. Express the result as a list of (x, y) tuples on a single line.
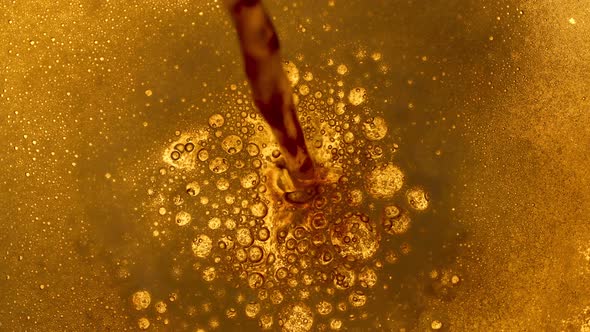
[(375, 128), (202, 246), (203, 155), (141, 299), (244, 237), (384, 181), (255, 280), (148, 93), (189, 147), (252, 149), (259, 210), (175, 155), (252, 309), (143, 323), (232, 144), (418, 199), (214, 223), (222, 184), (183, 218), (436, 325), (357, 96), (162, 211), (219, 165), (216, 121), (193, 188), (250, 180), (342, 69)]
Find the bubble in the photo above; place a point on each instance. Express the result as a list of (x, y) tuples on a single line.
[(436, 325), (222, 184), (162, 211), (189, 147), (282, 273), (250, 180), (230, 224), (209, 274), (244, 237), (335, 324), (263, 234), (292, 72), (355, 237), (202, 246), (355, 197), (357, 299), (143, 323), (357, 96), (276, 297), (141, 299), (348, 137), (203, 155), (255, 254), (367, 277), (384, 181), (399, 223), (308, 76), (342, 69), (161, 307), (343, 278), (375, 128), (183, 218), (214, 223), (324, 308), (175, 155), (252, 309), (252, 149), (418, 199), (193, 188), (304, 90), (319, 221), (265, 322), (232, 144), (259, 210), (297, 318), (219, 165), (216, 120), (255, 280)]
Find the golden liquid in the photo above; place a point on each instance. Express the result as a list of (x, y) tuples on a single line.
[(452, 136)]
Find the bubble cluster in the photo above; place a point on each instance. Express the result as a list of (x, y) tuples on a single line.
[(300, 258)]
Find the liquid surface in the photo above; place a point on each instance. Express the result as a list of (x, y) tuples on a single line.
[(141, 190)]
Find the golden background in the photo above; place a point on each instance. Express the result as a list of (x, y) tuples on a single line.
[(488, 102)]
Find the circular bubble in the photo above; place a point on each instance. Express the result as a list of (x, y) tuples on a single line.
[(252, 309), (375, 128), (214, 223), (232, 144), (255, 254), (259, 210), (252, 149), (250, 180), (357, 96), (216, 120), (222, 184), (343, 278), (244, 237), (203, 155), (143, 323), (193, 188), (175, 155), (263, 234), (183, 218), (255, 280), (189, 147), (161, 307), (324, 308), (202, 246), (335, 324), (355, 237), (384, 181), (418, 199), (340, 108), (141, 299), (367, 277), (399, 223), (355, 197), (292, 72), (219, 165), (209, 274), (297, 318), (357, 299), (265, 322)]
